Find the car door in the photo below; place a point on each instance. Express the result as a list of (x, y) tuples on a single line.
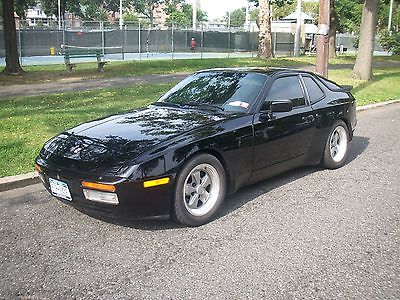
[(280, 136)]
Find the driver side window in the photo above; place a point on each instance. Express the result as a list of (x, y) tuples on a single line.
[(287, 88)]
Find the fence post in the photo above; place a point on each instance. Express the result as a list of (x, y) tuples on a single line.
[(186, 38), (102, 36), (172, 41), (275, 41), (139, 44), (64, 41), (122, 38), (19, 42), (202, 40), (148, 40), (252, 41), (229, 32), (157, 40)]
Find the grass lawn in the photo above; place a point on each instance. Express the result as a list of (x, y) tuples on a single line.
[(26, 123), (46, 73)]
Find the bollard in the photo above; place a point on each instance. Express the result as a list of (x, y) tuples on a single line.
[(52, 50)]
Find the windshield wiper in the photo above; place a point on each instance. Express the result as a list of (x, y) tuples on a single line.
[(170, 104), (205, 105)]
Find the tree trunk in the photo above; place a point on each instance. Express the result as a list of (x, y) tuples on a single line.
[(332, 30), (363, 66), (265, 38), (10, 39)]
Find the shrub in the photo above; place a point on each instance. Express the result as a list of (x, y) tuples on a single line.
[(390, 42)]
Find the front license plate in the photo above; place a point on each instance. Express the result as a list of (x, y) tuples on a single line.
[(60, 189)]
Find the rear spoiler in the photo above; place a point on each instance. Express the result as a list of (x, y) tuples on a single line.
[(343, 88), (346, 88)]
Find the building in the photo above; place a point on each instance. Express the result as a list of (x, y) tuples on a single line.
[(36, 17)]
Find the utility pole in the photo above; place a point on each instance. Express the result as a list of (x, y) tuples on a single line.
[(195, 4), (390, 16), (247, 22), (59, 14), (322, 38), (298, 30), (121, 20)]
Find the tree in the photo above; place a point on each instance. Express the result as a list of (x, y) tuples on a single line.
[(363, 66), (10, 39), (50, 7), (146, 7), (265, 38), (181, 14), (130, 17), (20, 6), (390, 41), (348, 15), (238, 17), (264, 24), (332, 30), (283, 8)]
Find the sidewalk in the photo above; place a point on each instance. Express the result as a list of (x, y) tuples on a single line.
[(18, 90)]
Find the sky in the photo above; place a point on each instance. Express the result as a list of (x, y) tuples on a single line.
[(218, 8)]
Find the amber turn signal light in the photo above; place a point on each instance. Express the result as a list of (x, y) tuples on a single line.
[(38, 168), (155, 182), (98, 186)]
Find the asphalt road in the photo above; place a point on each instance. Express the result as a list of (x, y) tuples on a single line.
[(310, 233)]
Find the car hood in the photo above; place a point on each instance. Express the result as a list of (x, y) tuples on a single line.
[(108, 143)]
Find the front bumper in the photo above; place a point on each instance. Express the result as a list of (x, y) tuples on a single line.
[(135, 202)]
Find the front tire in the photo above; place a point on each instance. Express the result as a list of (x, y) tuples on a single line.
[(336, 146), (199, 191)]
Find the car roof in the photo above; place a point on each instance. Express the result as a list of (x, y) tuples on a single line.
[(270, 71)]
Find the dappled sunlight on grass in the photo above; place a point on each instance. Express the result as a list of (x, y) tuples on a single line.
[(28, 122)]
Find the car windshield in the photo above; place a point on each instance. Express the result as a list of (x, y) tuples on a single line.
[(223, 90)]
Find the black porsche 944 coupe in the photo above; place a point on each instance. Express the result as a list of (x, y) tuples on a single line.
[(214, 132)]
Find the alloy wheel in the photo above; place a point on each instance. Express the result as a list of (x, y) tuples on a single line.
[(338, 143), (201, 189)]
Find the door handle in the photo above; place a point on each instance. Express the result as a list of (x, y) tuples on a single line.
[(308, 119)]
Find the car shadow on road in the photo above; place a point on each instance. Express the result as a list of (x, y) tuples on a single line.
[(248, 194)]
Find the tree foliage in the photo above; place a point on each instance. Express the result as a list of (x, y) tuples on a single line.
[(181, 14), (86, 9), (238, 17), (349, 14), (146, 7), (390, 42), (285, 9)]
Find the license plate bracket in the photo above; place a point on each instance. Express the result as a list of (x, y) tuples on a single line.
[(60, 189)]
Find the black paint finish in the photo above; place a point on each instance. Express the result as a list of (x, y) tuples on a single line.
[(252, 144)]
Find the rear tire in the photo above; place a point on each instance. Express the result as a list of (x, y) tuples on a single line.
[(199, 191), (336, 146)]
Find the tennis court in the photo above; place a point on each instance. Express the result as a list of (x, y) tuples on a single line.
[(59, 59)]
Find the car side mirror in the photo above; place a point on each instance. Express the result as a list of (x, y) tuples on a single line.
[(281, 106)]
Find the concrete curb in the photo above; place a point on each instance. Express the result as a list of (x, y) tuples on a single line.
[(18, 181), (375, 105)]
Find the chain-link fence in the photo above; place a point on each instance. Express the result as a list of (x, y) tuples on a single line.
[(140, 41), (143, 41)]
